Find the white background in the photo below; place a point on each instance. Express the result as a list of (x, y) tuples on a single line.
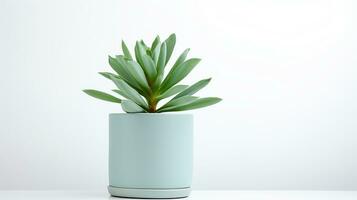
[(285, 69)]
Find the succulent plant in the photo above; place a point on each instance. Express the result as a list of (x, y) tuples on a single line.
[(141, 80)]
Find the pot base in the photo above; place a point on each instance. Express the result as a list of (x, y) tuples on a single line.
[(149, 193)]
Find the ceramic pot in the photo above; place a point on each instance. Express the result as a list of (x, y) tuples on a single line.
[(150, 155)]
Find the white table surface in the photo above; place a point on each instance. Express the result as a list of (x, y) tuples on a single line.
[(196, 195)]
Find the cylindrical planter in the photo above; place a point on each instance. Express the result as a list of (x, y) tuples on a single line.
[(150, 155)]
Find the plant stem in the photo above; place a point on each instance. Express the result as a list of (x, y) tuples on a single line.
[(152, 102), (152, 105)]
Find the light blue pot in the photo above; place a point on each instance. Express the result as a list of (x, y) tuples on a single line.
[(150, 155)]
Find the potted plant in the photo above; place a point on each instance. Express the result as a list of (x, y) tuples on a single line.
[(150, 151)]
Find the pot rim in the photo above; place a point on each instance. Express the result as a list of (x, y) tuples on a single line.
[(151, 114)]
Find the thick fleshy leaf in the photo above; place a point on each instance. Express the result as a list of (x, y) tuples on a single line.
[(138, 52), (126, 51), (170, 45), (121, 65), (179, 73), (155, 43), (161, 65), (123, 94), (144, 45), (138, 74), (193, 88), (161, 59), (180, 60), (149, 67), (157, 82), (172, 91), (147, 50), (108, 74), (156, 53), (102, 95), (173, 103), (116, 66), (198, 103), (130, 92), (145, 61), (131, 107)]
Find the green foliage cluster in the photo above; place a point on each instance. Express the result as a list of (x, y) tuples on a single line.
[(142, 84)]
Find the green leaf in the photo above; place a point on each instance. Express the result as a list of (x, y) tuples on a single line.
[(119, 64), (170, 44), (147, 50), (161, 59), (126, 51), (174, 90), (116, 66), (125, 95), (179, 73), (157, 82), (155, 43), (199, 103), (144, 45), (108, 74), (160, 66), (145, 61), (149, 67), (138, 74), (138, 53), (102, 95), (156, 53), (130, 92), (173, 103), (193, 88), (180, 60), (131, 107), (121, 93)]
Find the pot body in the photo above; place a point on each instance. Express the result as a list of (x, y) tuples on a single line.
[(150, 155)]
